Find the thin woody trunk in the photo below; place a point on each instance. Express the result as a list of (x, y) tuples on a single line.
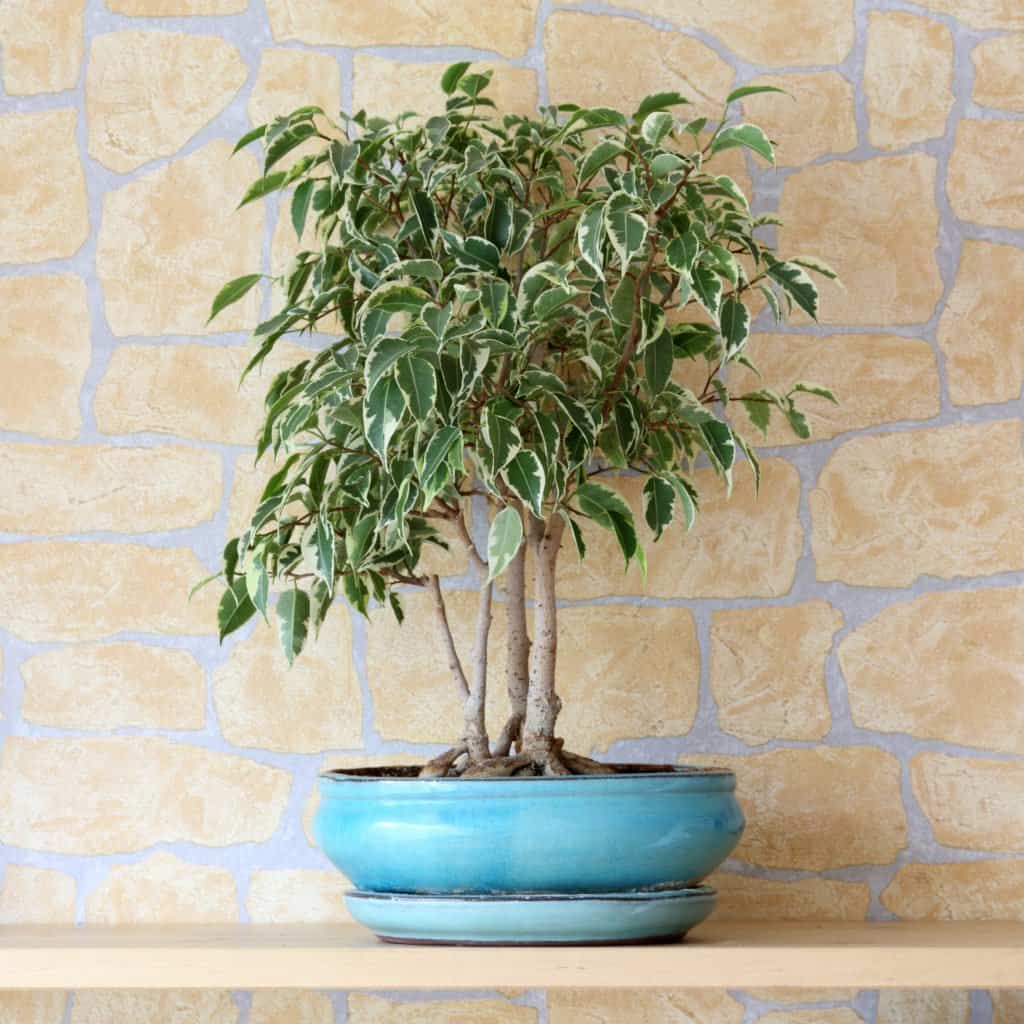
[(474, 709), (517, 654)]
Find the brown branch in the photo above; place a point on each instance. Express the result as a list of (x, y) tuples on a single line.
[(451, 654)]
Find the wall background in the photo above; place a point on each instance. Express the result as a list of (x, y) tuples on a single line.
[(853, 644)]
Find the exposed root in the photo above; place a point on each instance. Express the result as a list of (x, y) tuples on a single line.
[(498, 767), (551, 760), (444, 763), (580, 765), (510, 734)]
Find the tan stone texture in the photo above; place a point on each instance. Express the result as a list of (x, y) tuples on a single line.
[(997, 78), (284, 1007), (667, 1006), (981, 327), (170, 8), (148, 93), (387, 88), (981, 13), (169, 240), (43, 205), (817, 808), (1007, 1006), (505, 28), (923, 1006), (178, 1007), (110, 686), (163, 889), (815, 118), (876, 223), (41, 42), (297, 896), (768, 670), (835, 1015), (189, 390), (908, 78), (979, 890), (132, 792), (802, 32), (646, 60), (44, 353), (31, 895), (984, 181), (746, 898), (371, 1009), (877, 378), (313, 705), (972, 803), (32, 1007), (942, 666), (740, 546), (103, 589), (945, 502), (77, 489), (803, 995)]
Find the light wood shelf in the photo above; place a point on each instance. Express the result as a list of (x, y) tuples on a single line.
[(718, 955)]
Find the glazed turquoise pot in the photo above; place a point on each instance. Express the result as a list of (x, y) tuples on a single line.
[(620, 841)]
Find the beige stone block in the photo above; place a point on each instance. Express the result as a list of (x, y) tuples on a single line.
[(835, 1015), (132, 792), (297, 897), (666, 1006), (190, 390), (42, 45), (746, 898), (81, 488), (31, 895), (284, 1007), (877, 378), (740, 546), (980, 13), (803, 995), (816, 118), (1007, 1006), (103, 589), (371, 1009), (163, 889), (944, 666), (908, 78), (289, 79), (387, 88), (923, 1006), (876, 223), (978, 890), (997, 78), (945, 502), (972, 803), (44, 212), (647, 60), (148, 93), (110, 686), (169, 240), (803, 32), (32, 1007), (768, 670), (44, 353), (505, 28), (983, 182), (817, 808), (980, 328), (171, 8), (179, 1007), (313, 705)]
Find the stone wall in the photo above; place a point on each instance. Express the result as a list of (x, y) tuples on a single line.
[(853, 643)]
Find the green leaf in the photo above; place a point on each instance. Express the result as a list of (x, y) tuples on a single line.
[(708, 286), (498, 227), (357, 539), (525, 478), (656, 126), (751, 90), (292, 622), (500, 434), (755, 463), (797, 285), (687, 498), (626, 228), (577, 535), (818, 266), (747, 135), (323, 543), (718, 442), (235, 608), (680, 254), (426, 214), (382, 357), (659, 502), (436, 455), (604, 152), (300, 206), (250, 136), (494, 297), (597, 501), (232, 292), (816, 389), (658, 359), (418, 382), (658, 101), (264, 186), (797, 421), (589, 235), (503, 541), (382, 412), (452, 74), (257, 584), (735, 324), (759, 411), (395, 297)]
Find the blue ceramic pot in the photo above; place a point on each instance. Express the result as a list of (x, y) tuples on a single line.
[(646, 827)]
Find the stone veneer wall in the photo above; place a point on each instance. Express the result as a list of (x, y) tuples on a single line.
[(853, 644)]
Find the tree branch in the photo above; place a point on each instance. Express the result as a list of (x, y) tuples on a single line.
[(452, 655)]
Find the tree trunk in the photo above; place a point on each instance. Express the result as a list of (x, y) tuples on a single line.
[(476, 702), (517, 649), (542, 704)]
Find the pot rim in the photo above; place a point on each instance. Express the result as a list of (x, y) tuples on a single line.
[(627, 771)]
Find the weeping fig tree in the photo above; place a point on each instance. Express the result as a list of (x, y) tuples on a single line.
[(502, 304)]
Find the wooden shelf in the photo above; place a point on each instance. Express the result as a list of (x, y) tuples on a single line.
[(718, 955)]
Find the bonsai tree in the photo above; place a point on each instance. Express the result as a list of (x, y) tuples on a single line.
[(505, 303)]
